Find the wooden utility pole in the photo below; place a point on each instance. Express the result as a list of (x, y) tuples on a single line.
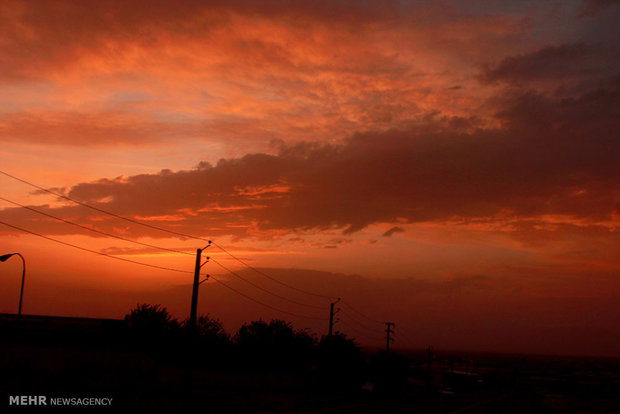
[(388, 338), (331, 317), (194, 309)]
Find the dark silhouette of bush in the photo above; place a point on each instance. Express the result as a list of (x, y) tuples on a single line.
[(207, 339), (210, 330), (340, 366), (151, 325), (274, 346), (210, 336)]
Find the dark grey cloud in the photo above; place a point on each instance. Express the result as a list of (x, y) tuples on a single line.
[(593, 7), (552, 63)]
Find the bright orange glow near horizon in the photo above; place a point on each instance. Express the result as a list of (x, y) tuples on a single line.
[(449, 167)]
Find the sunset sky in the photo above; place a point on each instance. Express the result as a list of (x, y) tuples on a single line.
[(453, 167)]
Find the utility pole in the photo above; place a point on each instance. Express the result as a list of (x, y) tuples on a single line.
[(387, 336), (331, 317), (194, 309), (189, 361)]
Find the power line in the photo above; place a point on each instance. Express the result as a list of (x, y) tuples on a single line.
[(164, 248), (358, 322), (163, 230), (362, 333), (361, 313), (407, 340), (181, 271), (272, 278), (157, 267), (369, 332), (102, 210), (94, 251), (263, 289), (94, 230), (264, 304), (157, 247)]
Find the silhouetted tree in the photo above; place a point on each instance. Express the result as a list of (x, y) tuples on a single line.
[(274, 345), (211, 329), (340, 366), (151, 324), (211, 335), (208, 339)]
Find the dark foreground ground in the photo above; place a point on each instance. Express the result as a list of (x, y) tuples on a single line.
[(177, 377)]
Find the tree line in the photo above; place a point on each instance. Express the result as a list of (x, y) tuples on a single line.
[(334, 363)]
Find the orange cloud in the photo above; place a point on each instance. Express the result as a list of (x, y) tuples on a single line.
[(234, 70), (89, 129)]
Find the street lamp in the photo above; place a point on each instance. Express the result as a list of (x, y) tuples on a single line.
[(4, 258)]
